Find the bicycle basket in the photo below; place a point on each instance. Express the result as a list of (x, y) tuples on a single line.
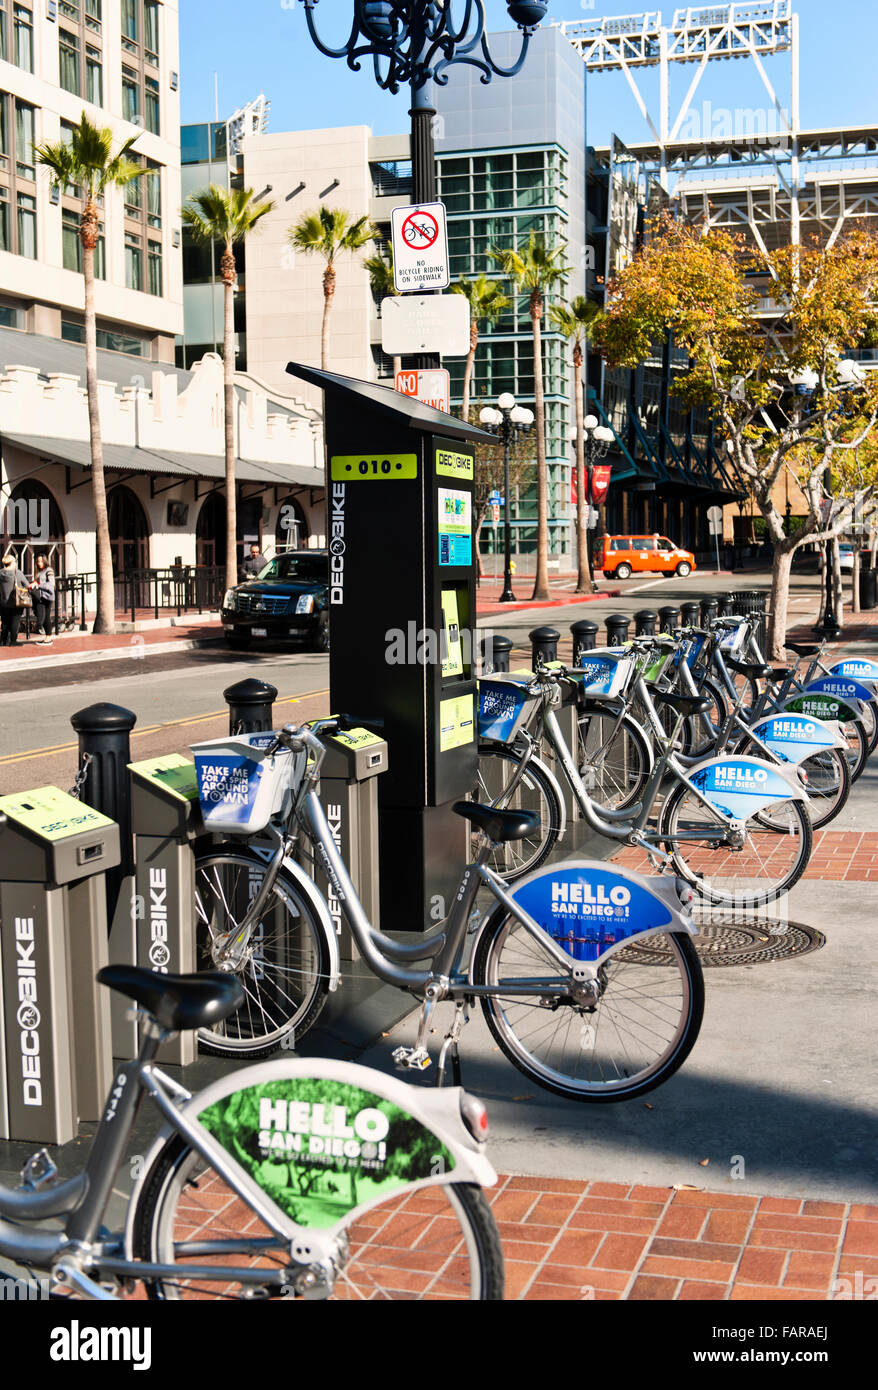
[(733, 641), (504, 705), (239, 787), (606, 671), (656, 669)]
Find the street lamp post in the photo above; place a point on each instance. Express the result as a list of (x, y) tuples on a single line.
[(596, 440), (507, 421)]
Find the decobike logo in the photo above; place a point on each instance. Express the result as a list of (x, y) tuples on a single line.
[(28, 1015), (337, 544), (333, 818), (159, 951)]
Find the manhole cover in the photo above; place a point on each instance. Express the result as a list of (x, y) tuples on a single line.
[(735, 941)]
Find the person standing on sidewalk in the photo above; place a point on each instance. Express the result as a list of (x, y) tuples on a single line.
[(11, 578), (42, 592)]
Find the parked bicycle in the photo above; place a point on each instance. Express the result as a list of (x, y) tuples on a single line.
[(586, 973), (291, 1180)]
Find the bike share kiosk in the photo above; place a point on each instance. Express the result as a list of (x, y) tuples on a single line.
[(166, 820), (400, 479), (55, 1017)]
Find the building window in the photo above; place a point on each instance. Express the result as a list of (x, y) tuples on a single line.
[(11, 317), (94, 76), (5, 243), (93, 15), (133, 262), (3, 52), (151, 30), (129, 20), (4, 130), (152, 104), (24, 140), (107, 339), (27, 226), (71, 246), (68, 56), (153, 194), (133, 195), (155, 267), (130, 96), (23, 24)]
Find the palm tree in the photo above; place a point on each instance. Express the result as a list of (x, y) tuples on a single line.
[(486, 304), (86, 163), (380, 268), (326, 233), (573, 321), (535, 270), (227, 216)]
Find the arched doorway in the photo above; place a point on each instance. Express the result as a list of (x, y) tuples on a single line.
[(292, 526), (33, 525), (210, 531), (129, 544)]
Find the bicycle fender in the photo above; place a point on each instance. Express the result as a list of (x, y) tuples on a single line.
[(856, 668), (819, 705), (740, 787), (275, 1118), (795, 737), (841, 688), (592, 908), (318, 902)]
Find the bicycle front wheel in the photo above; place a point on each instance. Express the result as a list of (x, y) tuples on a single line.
[(284, 967), (772, 857), (433, 1243), (632, 1038), (615, 758), (496, 786)]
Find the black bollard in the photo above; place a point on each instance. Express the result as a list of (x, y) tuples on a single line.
[(584, 633), (104, 754), (669, 618), (725, 605), (544, 643), (644, 622), (690, 613), (495, 649), (617, 629), (250, 705), (709, 608)]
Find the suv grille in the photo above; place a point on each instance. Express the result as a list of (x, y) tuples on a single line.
[(270, 604)]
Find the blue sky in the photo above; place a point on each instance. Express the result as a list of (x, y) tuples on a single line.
[(264, 46)]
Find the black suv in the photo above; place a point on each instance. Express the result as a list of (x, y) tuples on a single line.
[(289, 599)]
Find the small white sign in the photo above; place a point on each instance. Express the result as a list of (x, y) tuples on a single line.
[(431, 387), (425, 323), (716, 527), (495, 512), (420, 248), (714, 514)]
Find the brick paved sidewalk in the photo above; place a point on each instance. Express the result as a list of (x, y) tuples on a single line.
[(572, 1240)]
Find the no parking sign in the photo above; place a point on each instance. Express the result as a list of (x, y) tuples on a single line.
[(420, 248)]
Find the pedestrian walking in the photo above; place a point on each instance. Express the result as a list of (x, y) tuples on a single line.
[(14, 598), (42, 592)]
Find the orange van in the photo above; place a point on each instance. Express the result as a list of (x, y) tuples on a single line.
[(626, 555)]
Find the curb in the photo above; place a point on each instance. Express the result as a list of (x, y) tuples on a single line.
[(135, 651), (493, 608)]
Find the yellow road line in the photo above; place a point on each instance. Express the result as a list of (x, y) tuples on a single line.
[(152, 729)]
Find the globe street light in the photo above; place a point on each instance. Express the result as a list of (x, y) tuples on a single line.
[(596, 440), (507, 421)]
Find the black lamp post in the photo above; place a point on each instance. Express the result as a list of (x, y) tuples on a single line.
[(596, 440), (507, 421)]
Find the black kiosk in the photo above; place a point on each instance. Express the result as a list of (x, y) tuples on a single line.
[(400, 478)]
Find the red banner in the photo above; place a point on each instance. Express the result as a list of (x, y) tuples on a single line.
[(600, 482)]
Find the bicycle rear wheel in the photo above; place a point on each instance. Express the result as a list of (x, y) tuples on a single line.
[(771, 860), (640, 1030), (614, 757), (284, 969), (434, 1243)]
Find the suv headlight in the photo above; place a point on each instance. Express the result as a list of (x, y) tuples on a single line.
[(230, 599), (305, 603)]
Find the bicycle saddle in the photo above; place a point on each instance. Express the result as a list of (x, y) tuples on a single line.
[(753, 669), (780, 673), (802, 648), (499, 826), (177, 1002), (687, 705)]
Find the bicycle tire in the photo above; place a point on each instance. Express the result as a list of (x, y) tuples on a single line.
[(630, 984), (534, 792), (730, 869), (285, 970), (423, 1255), (625, 756)]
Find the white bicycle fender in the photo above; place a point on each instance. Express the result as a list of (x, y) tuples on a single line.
[(741, 787), (795, 737)]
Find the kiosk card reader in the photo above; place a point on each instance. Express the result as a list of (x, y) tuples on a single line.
[(166, 819), (401, 479), (53, 941)]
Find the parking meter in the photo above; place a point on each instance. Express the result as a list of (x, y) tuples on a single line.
[(166, 820), (58, 1062), (401, 479)]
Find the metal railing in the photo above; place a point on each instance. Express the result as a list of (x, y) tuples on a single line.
[(180, 589)]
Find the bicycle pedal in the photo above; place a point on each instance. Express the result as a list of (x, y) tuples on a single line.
[(411, 1058), (38, 1171)]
